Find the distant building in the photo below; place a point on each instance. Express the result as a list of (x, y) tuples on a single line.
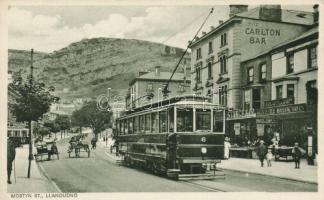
[(148, 86)]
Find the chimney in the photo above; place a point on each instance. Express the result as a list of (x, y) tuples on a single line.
[(270, 13), (220, 22), (157, 70), (212, 28), (141, 73), (204, 33), (236, 9), (315, 7)]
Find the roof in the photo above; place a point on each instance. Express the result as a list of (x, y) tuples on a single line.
[(287, 16), (306, 34), (164, 76)]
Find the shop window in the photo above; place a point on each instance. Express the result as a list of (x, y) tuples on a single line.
[(218, 121), (136, 128), (163, 121), (290, 63), (210, 71), (130, 125), (198, 77), (223, 39), (247, 99), (263, 72), (198, 55), (312, 57), (203, 118), (141, 123), (155, 122), (210, 47), (290, 91), (256, 99), (223, 64), (279, 92), (147, 123), (9, 133), (250, 75), (184, 120), (24, 133)]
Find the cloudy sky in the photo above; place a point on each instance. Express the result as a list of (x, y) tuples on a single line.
[(49, 28)]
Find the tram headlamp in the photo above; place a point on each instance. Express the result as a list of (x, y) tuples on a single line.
[(203, 150)]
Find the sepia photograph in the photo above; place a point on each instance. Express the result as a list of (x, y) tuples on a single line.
[(157, 98)]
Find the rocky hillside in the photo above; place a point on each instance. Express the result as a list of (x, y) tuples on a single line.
[(87, 68)]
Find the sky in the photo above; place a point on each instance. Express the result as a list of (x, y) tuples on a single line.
[(50, 28)]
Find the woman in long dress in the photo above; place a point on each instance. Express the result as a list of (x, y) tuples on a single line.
[(227, 146)]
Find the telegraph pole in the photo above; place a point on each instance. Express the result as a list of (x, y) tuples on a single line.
[(30, 157)]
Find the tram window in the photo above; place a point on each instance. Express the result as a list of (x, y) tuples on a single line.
[(163, 121), (171, 120), (24, 133), (155, 122), (130, 125), (142, 123), (184, 120), (136, 124), (9, 133), (122, 127), (203, 119), (125, 126), (218, 121), (147, 123), (17, 133)]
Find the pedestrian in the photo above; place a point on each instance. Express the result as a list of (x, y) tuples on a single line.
[(11, 154), (227, 146), (93, 143), (261, 152), (297, 153), (53, 151), (269, 157)]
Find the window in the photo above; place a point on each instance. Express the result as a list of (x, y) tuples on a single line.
[(130, 125), (198, 71), (141, 123), (184, 120), (263, 72), (24, 133), (147, 123), (122, 127), (279, 92), (290, 63), (9, 133), (223, 39), (223, 95), (203, 118), (149, 87), (311, 91), (312, 57), (210, 47), (125, 127), (223, 64), (136, 128), (290, 91), (171, 120), (256, 99), (218, 121), (210, 71), (247, 99), (163, 121), (198, 54), (155, 122), (250, 75)]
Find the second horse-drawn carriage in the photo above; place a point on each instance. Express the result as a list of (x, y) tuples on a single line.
[(77, 146)]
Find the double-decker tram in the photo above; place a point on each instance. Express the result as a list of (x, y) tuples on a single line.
[(181, 137)]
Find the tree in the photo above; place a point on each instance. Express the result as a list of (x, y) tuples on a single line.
[(63, 122), (52, 126), (90, 116), (77, 119), (43, 131), (33, 102)]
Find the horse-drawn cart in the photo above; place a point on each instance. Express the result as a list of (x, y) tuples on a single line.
[(77, 145), (46, 149)]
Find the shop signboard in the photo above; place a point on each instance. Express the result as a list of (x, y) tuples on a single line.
[(279, 102), (296, 108)]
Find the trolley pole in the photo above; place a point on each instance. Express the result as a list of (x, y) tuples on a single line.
[(30, 157)]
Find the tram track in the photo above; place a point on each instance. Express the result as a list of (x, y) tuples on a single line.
[(202, 186)]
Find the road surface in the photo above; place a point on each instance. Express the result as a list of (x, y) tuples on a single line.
[(100, 173)]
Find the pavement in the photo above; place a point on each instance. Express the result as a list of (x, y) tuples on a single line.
[(38, 182), (279, 169)]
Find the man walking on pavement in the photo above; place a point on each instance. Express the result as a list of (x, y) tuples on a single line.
[(11, 154), (297, 153), (262, 152)]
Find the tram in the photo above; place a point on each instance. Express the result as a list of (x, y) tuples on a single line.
[(18, 135), (180, 137)]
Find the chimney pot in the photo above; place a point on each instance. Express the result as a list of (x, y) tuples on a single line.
[(220, 21), (270, 12), (157, 70), (212, 28), (204, 33), (236, 9), (315, 7)]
